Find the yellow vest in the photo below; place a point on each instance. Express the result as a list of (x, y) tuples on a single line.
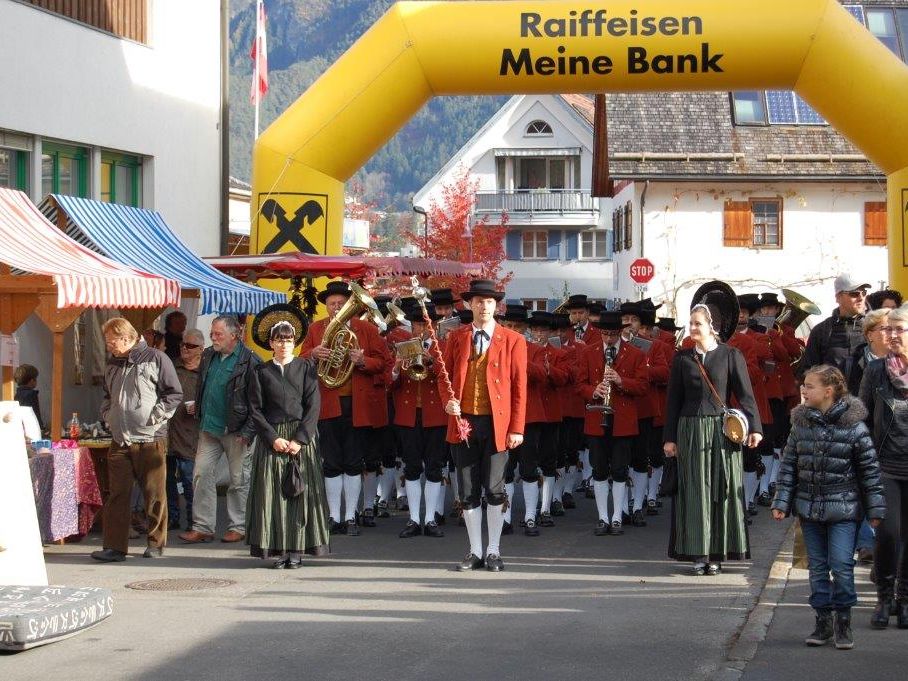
[(476, 388)]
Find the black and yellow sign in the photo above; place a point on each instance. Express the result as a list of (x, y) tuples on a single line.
[(292, 221)]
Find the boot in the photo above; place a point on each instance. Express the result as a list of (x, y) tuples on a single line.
[(844, 640), (880, 617), (822, 633)]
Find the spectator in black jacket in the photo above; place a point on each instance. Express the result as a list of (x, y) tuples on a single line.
[(834, 340), (26, 378)]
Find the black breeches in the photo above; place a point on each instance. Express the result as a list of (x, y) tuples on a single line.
[(479, 465), (423, 450), (610, 457)]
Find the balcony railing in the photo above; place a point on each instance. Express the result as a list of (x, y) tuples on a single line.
[(536, 201)]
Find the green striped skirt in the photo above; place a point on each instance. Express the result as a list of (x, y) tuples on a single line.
[(275, 525), (708, 513)]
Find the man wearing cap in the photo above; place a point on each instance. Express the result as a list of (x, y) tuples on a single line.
[(834, 340), (613, 374), (421, 422), (487, 364), (350, 412)]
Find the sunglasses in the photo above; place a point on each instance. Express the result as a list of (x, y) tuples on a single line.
[(191, 346), (857, 294)]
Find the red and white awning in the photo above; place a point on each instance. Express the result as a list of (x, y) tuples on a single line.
[(83, 278)]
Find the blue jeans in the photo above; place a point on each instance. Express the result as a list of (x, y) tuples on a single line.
[(179, 470), (830, 549), (866, 536)]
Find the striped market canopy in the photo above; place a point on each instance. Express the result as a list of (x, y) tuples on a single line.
[(141, 238), (83, 278)]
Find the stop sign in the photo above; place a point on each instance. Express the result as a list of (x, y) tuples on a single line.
[(642, 270)]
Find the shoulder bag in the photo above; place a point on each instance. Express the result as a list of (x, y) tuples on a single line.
[(734, 422)]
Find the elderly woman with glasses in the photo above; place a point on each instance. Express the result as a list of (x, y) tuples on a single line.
[(876, 345), (284, 402), (884, 390)]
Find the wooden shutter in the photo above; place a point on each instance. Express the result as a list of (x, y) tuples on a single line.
[(875, 233), (738, 226), (512, 244), (628, 226)]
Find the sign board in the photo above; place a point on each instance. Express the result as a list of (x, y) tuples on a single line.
[(642, 271)]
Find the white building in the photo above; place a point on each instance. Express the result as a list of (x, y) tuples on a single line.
[(118, 102)]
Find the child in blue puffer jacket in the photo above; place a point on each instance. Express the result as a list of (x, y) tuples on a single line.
[(831, 477)]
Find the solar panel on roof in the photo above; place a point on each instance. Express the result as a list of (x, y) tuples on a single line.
[(806, 114), (857, 11), (781, 106)]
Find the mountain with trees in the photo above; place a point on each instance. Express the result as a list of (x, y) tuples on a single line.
[(304, 38)]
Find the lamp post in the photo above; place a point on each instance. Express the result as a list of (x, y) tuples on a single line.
[(425, 217)]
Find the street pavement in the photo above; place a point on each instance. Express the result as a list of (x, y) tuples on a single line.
[(568, 605)]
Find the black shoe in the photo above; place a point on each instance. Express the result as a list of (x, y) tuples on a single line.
[(352, 529), (470, 562), (699, 568), (383, 510), (602, 529), (567, 500), (638, 519), (153, 552), (844, 640), (658, 503), (652, 507), (822, 633), (902, 612), (440, 519), (752, 508), (294, 563), (530, 529), (764, 499), (281, 563), (109, 556), (368, 518), (557, 508), (883, 610), (433, 530), (545, 520), (493, 563), (411, 529), (335, 527), (713, 569), (590, 492), (616, 528), (402, 504), (625, 518), (507, 528)]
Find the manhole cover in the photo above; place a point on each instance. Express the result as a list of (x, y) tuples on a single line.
[(189, 584)]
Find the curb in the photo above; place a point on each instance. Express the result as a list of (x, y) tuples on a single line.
[(756, 626)]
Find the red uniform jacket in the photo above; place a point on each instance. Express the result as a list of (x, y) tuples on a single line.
[(631, 366), (793, 348), (537, 384), (648, 405), (754, 354), (404, 391), (370, 406), (559, 378), (506, 374)]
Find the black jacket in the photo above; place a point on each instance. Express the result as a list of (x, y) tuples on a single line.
[(689, 395), (277, 396), (833, 341), (238, 416), (888, 419), (829, 470)]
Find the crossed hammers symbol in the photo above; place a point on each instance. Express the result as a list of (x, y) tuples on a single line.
[(291, 231)]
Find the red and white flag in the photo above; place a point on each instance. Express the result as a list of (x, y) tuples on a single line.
[(259, 55)]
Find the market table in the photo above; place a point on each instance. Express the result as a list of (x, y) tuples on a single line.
[(67, 497)]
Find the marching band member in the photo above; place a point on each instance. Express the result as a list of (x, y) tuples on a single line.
[(487, 365), (615, 373), (421, 422), (349, 412), (578, 336)]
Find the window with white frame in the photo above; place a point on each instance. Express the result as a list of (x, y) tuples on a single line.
[(535, 245), (535, 304), (539, 129), (592, 244), (542, 173)]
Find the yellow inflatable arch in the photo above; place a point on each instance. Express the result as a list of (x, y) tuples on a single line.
[(418, 50)]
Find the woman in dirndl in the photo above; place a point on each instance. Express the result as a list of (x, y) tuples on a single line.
[(708, 515), (284, 401)]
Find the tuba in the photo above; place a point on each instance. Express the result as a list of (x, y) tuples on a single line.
[(337, 368), (413, 359), (797, 308)]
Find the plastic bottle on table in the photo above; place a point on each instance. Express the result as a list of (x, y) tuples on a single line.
[(75, 429)]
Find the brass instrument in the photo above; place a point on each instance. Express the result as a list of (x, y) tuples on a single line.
[(797, 308), (446, 326), (413, 358), (606, 406), (395, 315), (561, 309), (336, 369), (374, 315)]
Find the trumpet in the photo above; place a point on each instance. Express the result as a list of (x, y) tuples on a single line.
[(413, 359)]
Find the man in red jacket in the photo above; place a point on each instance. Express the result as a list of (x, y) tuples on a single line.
[(487, 364), (349, 413), (612, 373)]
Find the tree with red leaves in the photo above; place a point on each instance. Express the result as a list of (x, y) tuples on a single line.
[(451, 236)]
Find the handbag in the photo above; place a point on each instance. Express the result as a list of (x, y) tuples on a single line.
[(292, 484), (669, 484), (734, 421)]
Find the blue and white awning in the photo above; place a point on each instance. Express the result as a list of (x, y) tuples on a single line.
[(140, 238)]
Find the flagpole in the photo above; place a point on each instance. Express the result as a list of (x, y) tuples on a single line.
[(255, 73)]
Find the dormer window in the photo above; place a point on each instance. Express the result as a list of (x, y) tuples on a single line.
[(539, 129)]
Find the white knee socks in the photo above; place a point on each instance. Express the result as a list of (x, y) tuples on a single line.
[(352, 486), (750, 487), (473, 520), (560, 484), (619, 492), (495, 523), (601, 489), (530, 497), (386, 484), (333, 488), (370, 489), (509, 488), (432, 493), (640, 485), (655, 479), (414, 498), (439, 499), (776, 465), (548, 484)]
